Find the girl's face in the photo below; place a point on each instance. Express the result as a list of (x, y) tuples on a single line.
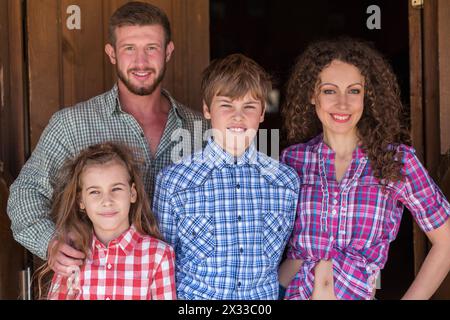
[(106, 195), (339, 98)]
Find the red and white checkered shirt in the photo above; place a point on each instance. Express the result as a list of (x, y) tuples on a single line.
[(353, 222), (131, 267)]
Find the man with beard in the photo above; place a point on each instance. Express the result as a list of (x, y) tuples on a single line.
[(136, 112)]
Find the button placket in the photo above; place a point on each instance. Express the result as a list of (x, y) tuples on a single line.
[(343, 215), (325, 200)]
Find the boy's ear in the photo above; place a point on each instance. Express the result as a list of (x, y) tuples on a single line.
[(111, 52), (133, 193), (261, 119), (206, 112)]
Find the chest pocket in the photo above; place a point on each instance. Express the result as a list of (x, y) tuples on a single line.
[(310, 205), (372, 217), (196, 232), (278, 216)]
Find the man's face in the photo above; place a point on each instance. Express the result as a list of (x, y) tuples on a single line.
[(140, 56), (234, 122)]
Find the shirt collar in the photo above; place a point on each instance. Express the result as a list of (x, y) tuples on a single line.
[(115, 106), (319, 146), (126, 241), (219, 157)]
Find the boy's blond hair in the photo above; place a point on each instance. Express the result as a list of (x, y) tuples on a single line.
[(234, 76)]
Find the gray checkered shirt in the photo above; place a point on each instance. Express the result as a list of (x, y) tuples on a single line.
[(70, 130)]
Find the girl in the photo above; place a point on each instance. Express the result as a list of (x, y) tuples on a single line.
[(356, 177), (101, 209)]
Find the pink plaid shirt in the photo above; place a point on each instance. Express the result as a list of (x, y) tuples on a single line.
[(132, 267), (353, 222)]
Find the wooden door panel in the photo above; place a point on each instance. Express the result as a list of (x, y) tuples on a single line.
[(12, 150), (44, 60), (69, 66), (82, 53), (430, 104)]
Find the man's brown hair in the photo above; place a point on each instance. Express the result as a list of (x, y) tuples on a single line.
[(234, 76), (138, 14)]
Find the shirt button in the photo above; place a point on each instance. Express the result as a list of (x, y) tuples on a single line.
[(107, 298), (239, 218), (241, 250), (109, 266), (142, 135), (238, 186), (239, 284), (335, 201), (333, 212)]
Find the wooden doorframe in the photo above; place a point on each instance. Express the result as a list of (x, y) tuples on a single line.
[(13, 138), (416, 107), (430, 103)]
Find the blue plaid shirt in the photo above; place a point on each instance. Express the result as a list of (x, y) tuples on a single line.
[(229, 220)]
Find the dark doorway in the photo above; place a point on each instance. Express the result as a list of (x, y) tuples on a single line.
[(274, 33)]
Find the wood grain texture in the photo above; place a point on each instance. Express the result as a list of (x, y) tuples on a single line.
[(70, 66), (444, 73), (417, 116), (46, 89), (82, 52), (191, 21), (443, 51), (11, 139)]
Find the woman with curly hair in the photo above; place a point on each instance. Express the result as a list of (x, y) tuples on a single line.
[(342, 113)]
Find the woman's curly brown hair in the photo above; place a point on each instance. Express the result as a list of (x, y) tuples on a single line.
[(380, 126)]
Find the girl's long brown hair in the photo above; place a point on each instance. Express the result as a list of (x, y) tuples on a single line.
[(380, 127), (72, 224)]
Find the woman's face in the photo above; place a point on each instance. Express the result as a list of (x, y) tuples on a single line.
[(339, 98)]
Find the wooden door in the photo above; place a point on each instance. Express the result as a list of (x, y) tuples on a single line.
[(430, 103), (46, 66), (67, 65), (12, 139)]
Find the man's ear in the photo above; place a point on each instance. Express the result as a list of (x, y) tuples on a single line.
[(206, 112), (111, 52), (170, 48)]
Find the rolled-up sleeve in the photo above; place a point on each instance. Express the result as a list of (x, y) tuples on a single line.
[(422, 196)]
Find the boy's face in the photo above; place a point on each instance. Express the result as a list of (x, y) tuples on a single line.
[(234, 122)]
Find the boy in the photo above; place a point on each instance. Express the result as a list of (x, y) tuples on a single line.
[(228, 210)]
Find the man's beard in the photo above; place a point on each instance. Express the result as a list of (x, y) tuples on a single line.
[(142, 91)]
